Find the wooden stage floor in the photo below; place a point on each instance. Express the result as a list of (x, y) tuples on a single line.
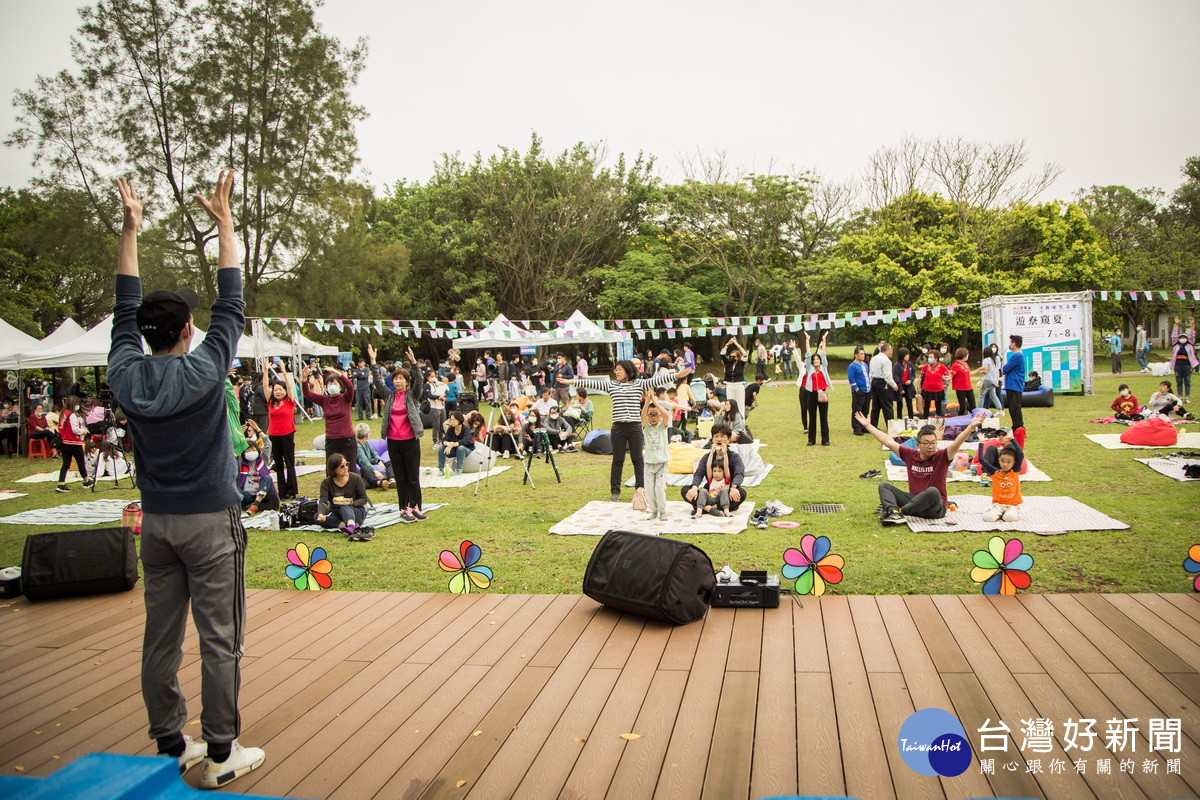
[(359, 695)]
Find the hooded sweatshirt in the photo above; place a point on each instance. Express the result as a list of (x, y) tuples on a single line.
[(176, 404)]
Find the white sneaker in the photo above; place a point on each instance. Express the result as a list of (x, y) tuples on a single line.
[(782, 509), (193, 753), (241, 761)]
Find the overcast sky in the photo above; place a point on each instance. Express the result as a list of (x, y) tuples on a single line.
[(1106, 88)]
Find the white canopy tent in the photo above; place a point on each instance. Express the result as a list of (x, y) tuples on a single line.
[(501, 332), (578, 329), (90, 349), (68, 330), (13, 344)]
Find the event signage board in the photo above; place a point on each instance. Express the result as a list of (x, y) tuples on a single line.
[(1056, 334)]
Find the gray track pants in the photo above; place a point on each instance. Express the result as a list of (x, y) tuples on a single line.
[(201, 559), (927, 504)]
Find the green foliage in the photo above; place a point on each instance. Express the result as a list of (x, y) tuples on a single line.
[(174, 90), (56, 258), (648, 282)]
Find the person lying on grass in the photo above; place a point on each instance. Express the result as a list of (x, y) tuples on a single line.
[(926, 467)]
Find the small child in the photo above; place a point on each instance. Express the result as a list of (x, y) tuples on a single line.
[(1126, 405), (715, 498), (655, 455), (1003, 466), (1165, 403)]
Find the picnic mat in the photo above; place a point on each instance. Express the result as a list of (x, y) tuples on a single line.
[(1033, 474), (78, 515), (1041, 515), (677, 479), (432, 478), (73, 475), (310, 453), (600, 516), (6, 494), (1112, 441), (381, 516), (1171, 467)]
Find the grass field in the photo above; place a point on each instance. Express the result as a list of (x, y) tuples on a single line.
[(510, 521)]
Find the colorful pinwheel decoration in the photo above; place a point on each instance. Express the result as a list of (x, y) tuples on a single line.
[(812, 566), (1192, 564), (466, 568), (309, 570), (1002, 568)]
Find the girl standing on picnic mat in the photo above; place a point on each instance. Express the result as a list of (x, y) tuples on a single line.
[(71, 429), (627, 391), (402, 431)]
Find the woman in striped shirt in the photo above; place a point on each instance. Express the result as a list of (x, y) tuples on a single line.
[(627, 391)]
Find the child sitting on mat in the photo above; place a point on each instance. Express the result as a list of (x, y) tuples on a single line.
[(715, 498), (1166, 403), (1126, 405), (1003, 466)]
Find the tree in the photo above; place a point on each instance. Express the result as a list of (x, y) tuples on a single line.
[(546, 224), (648, 282), (57, 259), (173, 90)]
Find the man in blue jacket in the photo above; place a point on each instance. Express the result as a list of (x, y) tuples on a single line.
[(193, 544), (860, 390), (1014, 380)]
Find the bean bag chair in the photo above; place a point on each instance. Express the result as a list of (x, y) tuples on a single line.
[(683, 457), (704, 427), (598, 443), (319, 442), (480, 459), (1042, 398), (752, 462), (380, 448), (963, 420), (895, 459), (1155, 432)]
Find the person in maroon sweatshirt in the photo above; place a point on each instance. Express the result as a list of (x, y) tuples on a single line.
[(334, 393)]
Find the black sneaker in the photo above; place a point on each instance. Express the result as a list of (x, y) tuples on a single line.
[(894, 518), (62, 487)]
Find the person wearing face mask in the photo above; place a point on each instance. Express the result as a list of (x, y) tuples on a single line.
[(1141, 349), (558, 430), (254, 482), (1126, 405), (36, 425), (71, 429), (1183, 361), (333, 391), (933, 385)]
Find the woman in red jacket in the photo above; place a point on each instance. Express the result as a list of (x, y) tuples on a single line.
[(933, 385), (960, 381)]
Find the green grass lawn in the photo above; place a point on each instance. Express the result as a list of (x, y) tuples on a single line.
[(510, 521)]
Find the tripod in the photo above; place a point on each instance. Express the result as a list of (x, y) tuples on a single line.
[(516, 449), (542, 439)]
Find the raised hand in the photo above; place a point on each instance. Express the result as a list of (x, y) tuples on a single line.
[(131, 204), (217, 206), (371, 353)]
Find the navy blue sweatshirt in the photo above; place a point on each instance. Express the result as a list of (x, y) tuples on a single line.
[(176, 404)]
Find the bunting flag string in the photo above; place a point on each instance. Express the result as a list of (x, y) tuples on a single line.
[(684, 327)]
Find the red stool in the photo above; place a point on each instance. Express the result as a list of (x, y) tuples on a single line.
[(38, 448)]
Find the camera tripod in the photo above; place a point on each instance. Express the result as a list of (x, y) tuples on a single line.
[(516, 449), (543, 440)]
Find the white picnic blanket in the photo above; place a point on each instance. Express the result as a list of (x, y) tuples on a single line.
[(76, 515), (383, 515), (1112, 441), (432, 478), (1171, 467), (600, 516), (1041, 515), (1032, 475), (680, 479), (5, 494)]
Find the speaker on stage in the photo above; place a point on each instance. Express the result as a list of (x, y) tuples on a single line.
[(653, 577), (76, 563)]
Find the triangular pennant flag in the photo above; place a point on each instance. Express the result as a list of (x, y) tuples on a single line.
[(705, 321), (683, 323), (414, 323), (1196, 294), (667, 323), (1103, 295), (470, 324), (379, 327), (1133, 295), (266, 319), (620, 324), (300, 321), (431, 323), (283, 320), (395, 323), (1181, 293), (453, 323)]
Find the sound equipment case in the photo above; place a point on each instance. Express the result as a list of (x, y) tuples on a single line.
[(77, 563), (663, 579)]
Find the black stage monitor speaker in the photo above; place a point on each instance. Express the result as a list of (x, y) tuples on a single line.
[(653, 577), (76, 563)]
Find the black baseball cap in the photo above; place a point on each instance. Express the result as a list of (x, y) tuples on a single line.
[(164, 313)]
